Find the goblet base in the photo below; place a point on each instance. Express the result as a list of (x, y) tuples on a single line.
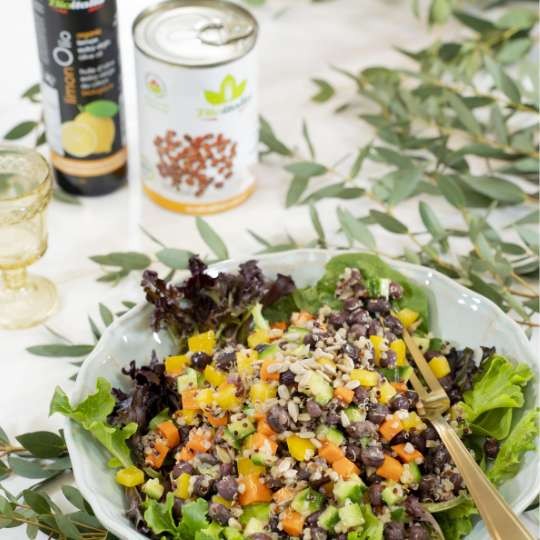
[(29, 305)]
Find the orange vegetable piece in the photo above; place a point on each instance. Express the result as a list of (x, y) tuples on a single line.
[(390, 428), (254, 491), (391, 469), (405, 456), (279, 325), (199, 442), (185, 454), (330, 452), (283, 495), (158, 455), (258, 441), (344, 394), (264, 428), (400, 387), (292, 522), (217, 421), (189, 400), (345, 467), (267, 375), (170, 432)]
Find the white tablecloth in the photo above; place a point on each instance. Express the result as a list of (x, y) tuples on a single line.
[(299, 40)]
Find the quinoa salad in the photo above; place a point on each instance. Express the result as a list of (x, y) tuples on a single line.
[(287, 412)]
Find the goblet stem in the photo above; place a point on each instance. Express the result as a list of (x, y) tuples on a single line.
[(15, 280)]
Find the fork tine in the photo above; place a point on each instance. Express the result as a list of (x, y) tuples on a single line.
[(421, 364), (421, 390)]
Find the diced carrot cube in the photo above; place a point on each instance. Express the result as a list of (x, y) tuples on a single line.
[(264, 428), (344, 394), (267, 375), (284, 494), (156, 458), (345, 467), (292, 522), (253, 490), (170, 432), (217, 421), (189, 400), (259, 441), (390, 428), (391, 469), (330, 452), (407, 457), (186, 454)]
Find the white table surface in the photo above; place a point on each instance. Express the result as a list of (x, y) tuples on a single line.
[(299, 44)]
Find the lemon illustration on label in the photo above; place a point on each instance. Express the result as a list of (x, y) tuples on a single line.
[(78, 139), (92, 131)]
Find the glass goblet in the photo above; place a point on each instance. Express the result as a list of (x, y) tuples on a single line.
[(25, 192)]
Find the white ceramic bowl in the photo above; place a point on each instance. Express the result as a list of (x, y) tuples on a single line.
[(459, 315)]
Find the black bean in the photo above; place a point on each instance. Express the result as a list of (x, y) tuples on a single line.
[(200, 360), (428, 487), (399, 401), (312, 519), (418, 440), (227, 487), (260, 536), (337, 319), (209, 459), (177, 508), (202, 486), (361, 395), (226, 360), (393, 324), (352, 304), (313, 408), (374, 328), (380, 305), (220, 513), (333, 418), (273, 522), (418, 532), (360, 316), (357, 331), (227, 469), (395, 290), (401, 438), (357, 430), (318, 533), (278, 418), (351, 351), (412, 396), (302, 474), (430, 433), (388, 359), (287, 378), (341, 536), (181, 468), (261, 347), (311, 340), (491, 448), (378, 413), (456, 480), (372, 456), (394, 530), (353, 452), (437, 458), (317, 483), (414, 508), (274, 483), (447, 382), (375, 494)]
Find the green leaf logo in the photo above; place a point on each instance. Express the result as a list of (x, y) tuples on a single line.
[(102, 108), (229, 90)]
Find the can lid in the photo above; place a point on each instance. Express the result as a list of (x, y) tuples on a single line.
[(195, 33)]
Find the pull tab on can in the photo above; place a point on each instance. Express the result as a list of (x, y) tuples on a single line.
[(219, 33)]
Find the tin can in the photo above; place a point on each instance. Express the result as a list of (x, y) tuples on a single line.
[(198, 120), (82, 93)]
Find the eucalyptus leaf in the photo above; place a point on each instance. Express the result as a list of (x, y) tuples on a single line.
[(354, 229), (498, 125), (212, 239), (177, 259), (439, 11), (317, 225), (359, 161), (405, 183), (20, 130), (37, 502), (502, 81), (474, 22), (259, 238), (128, 260), (325, 91), (306, 169), (451, 190), (337, 191), (496, 188), (463, 113), (29, 468), (307, 138), (513, 50), (43, 444), (32, 92), (61, 350), (529, 236), (388, 222), (269, 139), (297, 187), (106, 315), (431, 221)]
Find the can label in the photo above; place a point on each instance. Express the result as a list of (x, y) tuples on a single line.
[(81, 85), (198, 133)]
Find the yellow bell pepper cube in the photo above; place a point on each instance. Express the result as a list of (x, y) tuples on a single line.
[(386, 392), (214, 376), (258, 337), (188, 417), (205, 397), (440, 366), (182, 486), (413, 421), (221, 500), (407, 317), (245, 467), (300, 449), (260, 392), (130, 476), (244, 361), (364, 377), (205, 342), (175, 365), (377, 342), (398, 346), (226, 397)]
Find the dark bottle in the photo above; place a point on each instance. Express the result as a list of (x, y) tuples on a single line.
[(82, 93)]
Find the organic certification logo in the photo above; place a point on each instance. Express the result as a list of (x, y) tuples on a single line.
[(229, 90), (155, 85)]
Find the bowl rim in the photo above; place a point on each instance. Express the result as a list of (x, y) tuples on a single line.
[(76, 460)]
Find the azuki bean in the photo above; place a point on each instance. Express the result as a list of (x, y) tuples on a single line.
[(395, 290), (394, 531), (372, 456), (414, 508), (182, 467), (375, 494), (399, 401), (358, 430), (388, 359), (200, 360), (202, 486), (220, 513), (350, 350), (418, 532), (227, 487), (287, 378), (278, 418), (313, 409), (361, 395), (380, 305), (337, 319), (312, 519), (491, 448), (260, 536), (377, 413), (357, 331), (393, 324), (318, 533), (225, 360)]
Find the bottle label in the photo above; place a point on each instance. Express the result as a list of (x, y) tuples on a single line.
[(81, 85)]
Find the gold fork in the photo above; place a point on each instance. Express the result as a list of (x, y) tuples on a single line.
[(500, 520)]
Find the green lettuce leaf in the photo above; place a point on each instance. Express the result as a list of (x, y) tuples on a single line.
[(159, 516), (456, 522), (91, 413), (323, 292), (193, 519), (521, 440), (496, 391)]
